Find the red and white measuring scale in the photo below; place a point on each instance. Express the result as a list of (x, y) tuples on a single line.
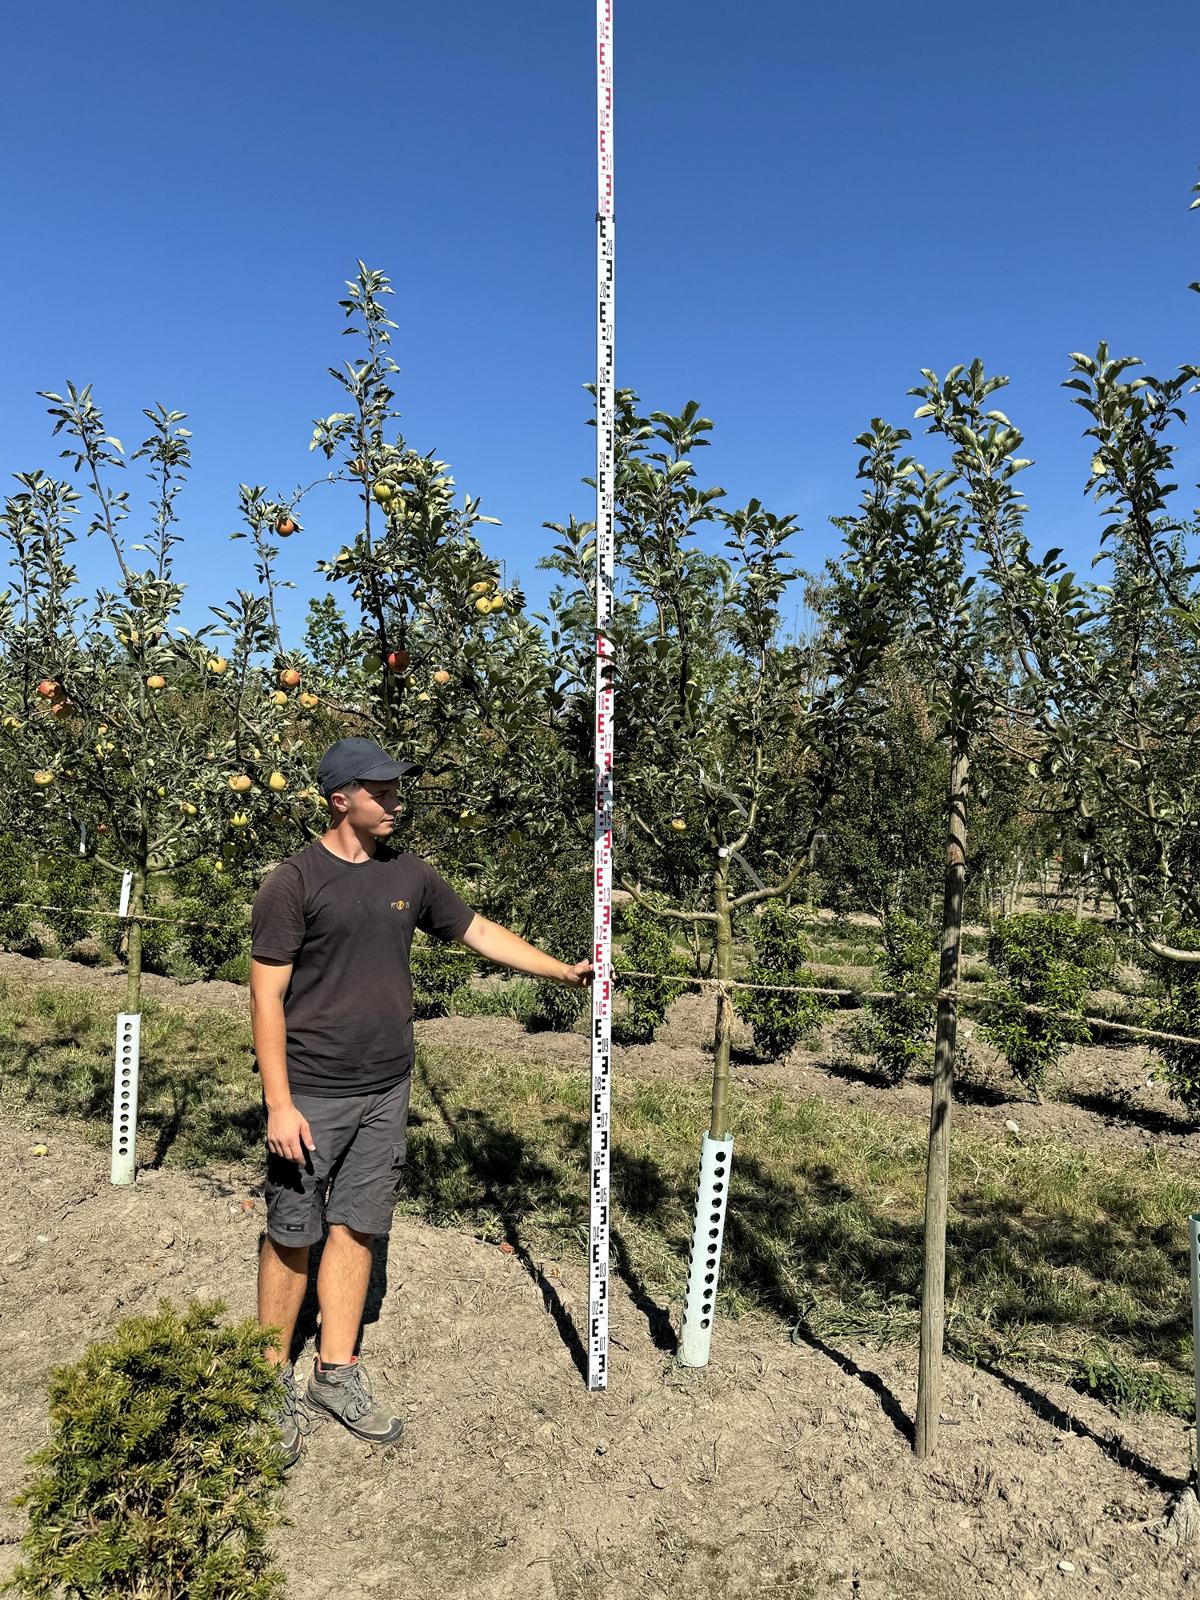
[(602, 882)]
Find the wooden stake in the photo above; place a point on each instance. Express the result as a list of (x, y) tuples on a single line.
[(937, 1172)]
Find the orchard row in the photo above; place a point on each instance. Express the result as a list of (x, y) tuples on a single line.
[(952, 672)]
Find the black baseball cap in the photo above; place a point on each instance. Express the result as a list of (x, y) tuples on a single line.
[(362, 759)]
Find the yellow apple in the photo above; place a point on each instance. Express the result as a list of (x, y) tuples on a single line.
[(239, 783), (156, 681), (217, 664), (277, 781), (41, 777)]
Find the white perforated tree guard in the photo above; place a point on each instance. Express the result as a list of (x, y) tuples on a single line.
[(704, 1264), (125, 1093)]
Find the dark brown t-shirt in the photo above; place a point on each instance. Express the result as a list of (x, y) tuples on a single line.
[(346, 927)]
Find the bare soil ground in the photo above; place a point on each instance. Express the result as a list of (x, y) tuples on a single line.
[(781, 1470)]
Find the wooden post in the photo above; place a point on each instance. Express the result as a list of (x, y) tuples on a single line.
[(133, 946), (723, 1031), (937, 1172)]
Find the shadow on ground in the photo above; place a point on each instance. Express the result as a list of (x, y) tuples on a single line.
[(827, 1257)]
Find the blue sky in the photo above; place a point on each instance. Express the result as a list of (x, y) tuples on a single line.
[(813, 203)]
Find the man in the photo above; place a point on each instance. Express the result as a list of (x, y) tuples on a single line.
[(331, 1002)]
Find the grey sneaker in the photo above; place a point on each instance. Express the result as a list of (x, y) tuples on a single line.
[(292, 1418), (346, 1394)]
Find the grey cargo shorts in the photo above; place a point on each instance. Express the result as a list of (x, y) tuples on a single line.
[(354, 1175)]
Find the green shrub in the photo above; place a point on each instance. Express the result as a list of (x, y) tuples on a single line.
[(161, 947), (556, 1008), (646, 946), (68, 887), (561, 922), (236, 970), (163, 1472), (16, 922), (843, 931), (1177, 1010), (439, 971), (901, 1025), (510, 997), (213, 926), (1040, 960), (779, 1021)]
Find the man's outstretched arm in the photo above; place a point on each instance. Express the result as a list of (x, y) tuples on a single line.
[(508, 949)]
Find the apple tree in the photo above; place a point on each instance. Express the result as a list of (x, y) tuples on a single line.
[(436, 656), (729, 740), (163, 744)]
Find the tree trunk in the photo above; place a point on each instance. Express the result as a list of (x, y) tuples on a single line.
[(937, 1172), (133, 964), (1015, 886), (722, 1037)]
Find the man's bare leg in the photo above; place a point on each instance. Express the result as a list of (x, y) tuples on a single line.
[(342, 1291), (282, 1280)]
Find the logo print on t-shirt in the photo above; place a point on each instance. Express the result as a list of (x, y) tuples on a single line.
[(399, 905)]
